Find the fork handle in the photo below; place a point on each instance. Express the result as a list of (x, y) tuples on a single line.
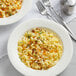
[(69, 30), (48, 15)]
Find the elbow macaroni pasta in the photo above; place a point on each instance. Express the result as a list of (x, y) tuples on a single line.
[(9, 7), (40, 49)]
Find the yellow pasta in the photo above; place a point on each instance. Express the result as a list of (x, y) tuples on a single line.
[(40, 49), (9, 7)]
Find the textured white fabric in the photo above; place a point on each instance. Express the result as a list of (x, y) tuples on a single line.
[(58, 8)]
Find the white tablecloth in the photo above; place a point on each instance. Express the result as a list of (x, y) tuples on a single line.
[(6, 68)]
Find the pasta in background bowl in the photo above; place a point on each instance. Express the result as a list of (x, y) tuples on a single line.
[(42, 23), (11, 12), (9, 7)]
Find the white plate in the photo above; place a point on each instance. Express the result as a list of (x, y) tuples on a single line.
[(21, 29), (26, 6)]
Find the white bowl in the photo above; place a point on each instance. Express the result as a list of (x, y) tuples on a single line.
[(26, 6), (21, 29)]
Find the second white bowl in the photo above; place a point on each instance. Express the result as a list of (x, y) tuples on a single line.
[(26, 6)]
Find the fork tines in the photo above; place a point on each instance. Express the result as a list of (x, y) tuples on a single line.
[(45, 1), (40, 6)]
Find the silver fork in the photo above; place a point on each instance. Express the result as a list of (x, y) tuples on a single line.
[(48, 4), (43, 10), (59, 18)]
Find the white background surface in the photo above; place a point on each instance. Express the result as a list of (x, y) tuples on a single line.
[(6, 69)]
